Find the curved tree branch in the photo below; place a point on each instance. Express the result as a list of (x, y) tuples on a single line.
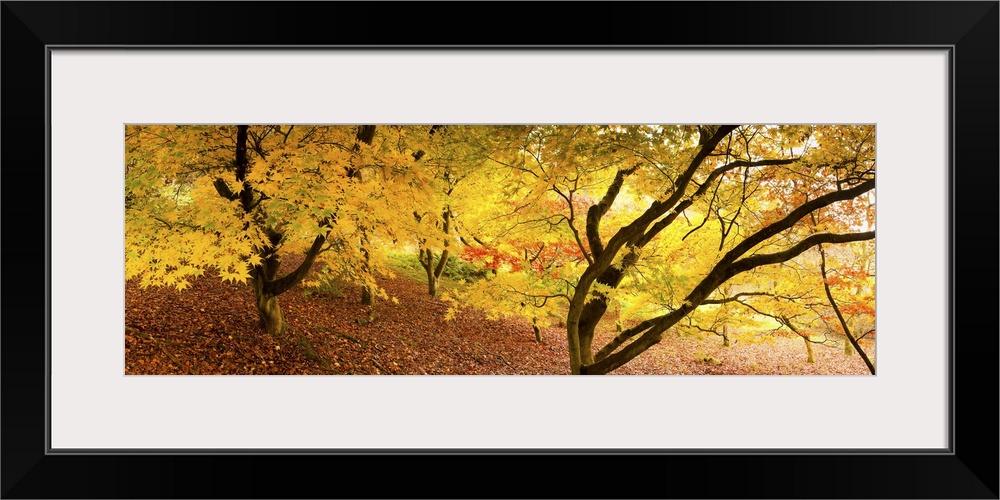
[(697, 296), (597, 211), (758, 260), (281, 285), (627, 236)]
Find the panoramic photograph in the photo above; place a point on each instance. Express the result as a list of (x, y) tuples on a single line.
[(456, 249)]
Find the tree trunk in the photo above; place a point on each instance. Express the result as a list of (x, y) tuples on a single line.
[(809, 349), (593, 312), (367, 297), (266, 285), (426, 256), (432, 281), (438, 271), (426, 259), (847, 348), (365, 134), (270, 315), (268, 310)]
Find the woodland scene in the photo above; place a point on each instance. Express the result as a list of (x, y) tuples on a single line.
[(499, 249)]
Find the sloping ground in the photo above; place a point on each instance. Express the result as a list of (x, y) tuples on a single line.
[(211, 328)]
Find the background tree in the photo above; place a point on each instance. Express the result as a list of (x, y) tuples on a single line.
[(460, 172), (532, 238)]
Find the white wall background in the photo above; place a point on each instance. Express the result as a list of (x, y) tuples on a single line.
[(94, 405)]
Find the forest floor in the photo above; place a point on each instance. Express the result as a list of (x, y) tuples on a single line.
[(212, 328)]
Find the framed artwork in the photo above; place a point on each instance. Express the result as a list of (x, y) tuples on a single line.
[(80, 421)]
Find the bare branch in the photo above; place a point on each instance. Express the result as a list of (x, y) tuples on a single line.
[(758, 260), (734, 298), (568, 197), (666, 221), (793, 217)]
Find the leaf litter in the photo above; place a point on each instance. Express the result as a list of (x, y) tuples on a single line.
[(211, 328)]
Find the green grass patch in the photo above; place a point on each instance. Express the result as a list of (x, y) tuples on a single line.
[(456, 271)]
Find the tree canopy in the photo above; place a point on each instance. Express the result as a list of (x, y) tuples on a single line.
[(638, 230)]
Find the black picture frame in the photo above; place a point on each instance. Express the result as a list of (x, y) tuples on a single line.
[(968, 470)]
